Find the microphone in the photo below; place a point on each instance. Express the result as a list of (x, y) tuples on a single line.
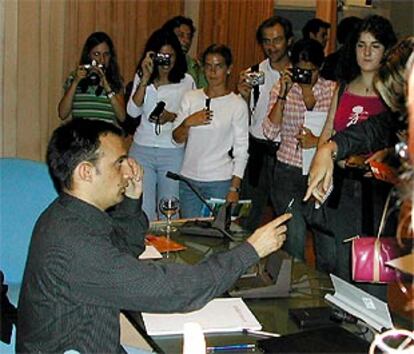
[(218, 228), (177, 177)]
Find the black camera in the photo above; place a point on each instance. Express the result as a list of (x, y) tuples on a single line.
[(93, 77), (154, 116), (301, 76), (255, 78), (162, 59)]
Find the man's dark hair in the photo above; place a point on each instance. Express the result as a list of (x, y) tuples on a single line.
[(346, 27), (74, 142), (155, 42), (313, 26), (307, 50), (220, 49), (177, 21), (112, 73), (272, 21)]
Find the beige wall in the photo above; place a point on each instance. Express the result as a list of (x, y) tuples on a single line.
[(31, 75), (41, 41)]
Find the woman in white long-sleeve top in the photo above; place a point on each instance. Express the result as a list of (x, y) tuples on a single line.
[(161, 78), (213, 123)]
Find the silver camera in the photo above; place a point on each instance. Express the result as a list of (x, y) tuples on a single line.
[(255, 78)]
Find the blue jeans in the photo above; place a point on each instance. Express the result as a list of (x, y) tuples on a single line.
[(156, 163), (191, 205)]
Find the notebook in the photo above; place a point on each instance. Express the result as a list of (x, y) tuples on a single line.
[(218, 316)]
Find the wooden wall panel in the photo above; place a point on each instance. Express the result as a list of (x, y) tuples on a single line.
[(234, 23), (28, 80), (42, 42)]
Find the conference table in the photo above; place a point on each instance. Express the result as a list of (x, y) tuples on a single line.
[(308, 289)]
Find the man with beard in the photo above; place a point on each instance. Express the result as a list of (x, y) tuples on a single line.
[(275, 37), (184, 29)]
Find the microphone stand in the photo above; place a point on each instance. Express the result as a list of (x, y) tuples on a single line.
[(218, 228), (177, 177)]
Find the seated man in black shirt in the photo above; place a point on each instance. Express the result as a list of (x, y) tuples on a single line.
[(82, 267)]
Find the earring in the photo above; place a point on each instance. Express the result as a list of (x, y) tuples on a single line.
[(228, 72)]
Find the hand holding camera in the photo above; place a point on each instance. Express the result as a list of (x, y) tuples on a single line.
[(202, 117), (95, 72), (147, 67), (162, 59), (255, 78), (301, 76)]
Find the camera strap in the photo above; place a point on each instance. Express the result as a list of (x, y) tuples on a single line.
[(256, 91)]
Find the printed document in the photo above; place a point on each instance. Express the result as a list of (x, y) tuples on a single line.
[(314, 121), (219, 315)]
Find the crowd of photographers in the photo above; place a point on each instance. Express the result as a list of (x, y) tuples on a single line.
[(245, 145)]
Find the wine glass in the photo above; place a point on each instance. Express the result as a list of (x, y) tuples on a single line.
[(169, 207)]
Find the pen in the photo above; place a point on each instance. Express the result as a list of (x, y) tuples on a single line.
[(223, 348), (289, 206), (260, 333)]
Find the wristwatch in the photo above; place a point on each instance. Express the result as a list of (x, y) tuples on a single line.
[(234, 189), (110, 94)]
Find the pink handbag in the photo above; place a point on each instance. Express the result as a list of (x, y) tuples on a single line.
[(369, 255)]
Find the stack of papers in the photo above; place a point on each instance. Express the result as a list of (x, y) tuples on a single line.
[(218, 316)]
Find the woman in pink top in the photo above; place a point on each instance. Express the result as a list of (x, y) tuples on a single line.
[(354, 101)]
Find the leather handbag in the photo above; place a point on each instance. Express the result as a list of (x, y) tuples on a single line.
[(370, 254)]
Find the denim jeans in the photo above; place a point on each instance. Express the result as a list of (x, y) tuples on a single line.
[(288, 183), (259, 194), (156, 163), (191, 205)]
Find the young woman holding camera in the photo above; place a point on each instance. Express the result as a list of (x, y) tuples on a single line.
[(213, 125), (299, 93), (159, 84), (356, 204), (95, 89)]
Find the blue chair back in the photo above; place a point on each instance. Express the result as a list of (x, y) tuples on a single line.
[(26, 189)]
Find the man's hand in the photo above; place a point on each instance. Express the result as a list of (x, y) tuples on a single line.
[(243, 87), (270, 237), (321, 172), (135, 179)]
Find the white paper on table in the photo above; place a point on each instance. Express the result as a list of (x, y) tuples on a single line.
[(150, 252), (130, 335), (315, 122), (219, 315)]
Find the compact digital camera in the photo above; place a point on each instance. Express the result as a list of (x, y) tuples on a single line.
[(93, 77), (255, 78), (162, 59), (301, 76)]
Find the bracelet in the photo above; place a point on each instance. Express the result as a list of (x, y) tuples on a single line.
[(283, 98), (234, 189), (110, 94)]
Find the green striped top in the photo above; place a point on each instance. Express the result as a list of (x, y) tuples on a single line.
[(89, 105)]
